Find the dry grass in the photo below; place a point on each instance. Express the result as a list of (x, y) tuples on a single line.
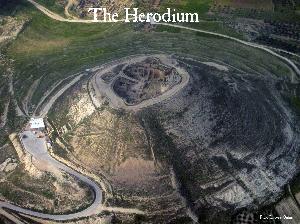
[(36, 47), (134, 171)]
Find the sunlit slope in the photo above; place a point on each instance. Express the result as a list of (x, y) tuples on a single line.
[(53, 50)]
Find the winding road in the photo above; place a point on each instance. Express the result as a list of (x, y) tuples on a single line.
[(38, 149), (57, 17), (250, 44)]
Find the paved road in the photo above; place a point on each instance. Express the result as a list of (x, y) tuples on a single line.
[(254, 45), (38, 149), (262, 47)]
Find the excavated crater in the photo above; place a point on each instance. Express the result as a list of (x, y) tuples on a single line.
[(145, 80), (224, 140)]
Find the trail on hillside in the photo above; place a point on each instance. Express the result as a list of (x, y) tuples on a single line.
[(254, 45)]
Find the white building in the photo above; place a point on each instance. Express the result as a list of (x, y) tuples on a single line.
[(37, 123)]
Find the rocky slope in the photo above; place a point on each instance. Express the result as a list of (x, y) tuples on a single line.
[(229, 139), (234, 140), (114, 145)]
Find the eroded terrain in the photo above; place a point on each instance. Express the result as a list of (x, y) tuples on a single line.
[(192, 135), (138, 82), (145, 80), (223, 141)]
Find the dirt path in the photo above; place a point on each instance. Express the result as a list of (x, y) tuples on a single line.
[(57, 17), (295, 68), (254, 45), (14, 101), (67, 7), (29, 95), (49, 104), (48, 12), (38, 149), (97, 207), (49, 92)]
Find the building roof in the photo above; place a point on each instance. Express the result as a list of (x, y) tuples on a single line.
[(36, 123)]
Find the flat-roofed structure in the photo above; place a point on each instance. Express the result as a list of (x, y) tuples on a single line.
[(37, 124)]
